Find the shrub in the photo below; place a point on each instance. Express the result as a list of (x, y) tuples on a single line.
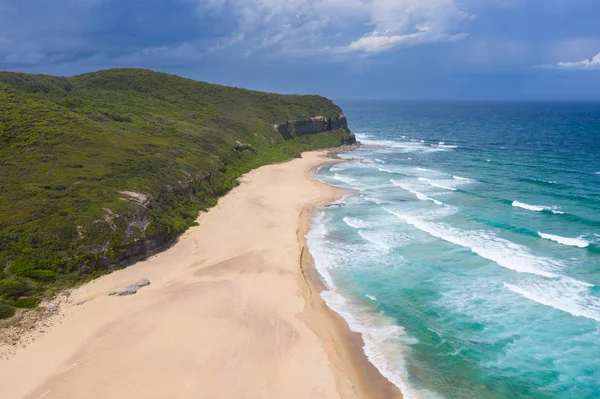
[(6, 311), (12, 288), (136, 130), (27, 303)]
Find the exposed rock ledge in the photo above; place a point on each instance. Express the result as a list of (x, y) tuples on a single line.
[(318, 124)]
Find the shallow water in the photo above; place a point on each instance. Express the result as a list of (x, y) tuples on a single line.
[(468, 254)]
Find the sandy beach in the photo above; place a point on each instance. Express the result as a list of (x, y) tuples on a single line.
[(233, 311)]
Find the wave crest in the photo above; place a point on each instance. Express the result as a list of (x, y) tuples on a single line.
[(573, 242), (562, 294), (419, 195), (356, 223), (434, 184), (485, 244), (536, 208)]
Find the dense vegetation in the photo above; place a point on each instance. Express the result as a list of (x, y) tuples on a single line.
[(100, 169)]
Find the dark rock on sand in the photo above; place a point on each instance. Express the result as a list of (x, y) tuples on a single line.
[(131, 288)]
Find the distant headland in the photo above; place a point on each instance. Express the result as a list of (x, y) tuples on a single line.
[(103, 169)]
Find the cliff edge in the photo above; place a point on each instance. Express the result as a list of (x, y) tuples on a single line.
[(315, 125)]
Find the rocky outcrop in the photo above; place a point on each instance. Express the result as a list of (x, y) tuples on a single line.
[(349, 139), (318, 124), (131, 289), (241, 147)]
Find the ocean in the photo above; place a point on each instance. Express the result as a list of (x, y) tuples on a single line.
[(467, 249)]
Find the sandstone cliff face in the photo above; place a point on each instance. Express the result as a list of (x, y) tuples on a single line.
[(318, 124)]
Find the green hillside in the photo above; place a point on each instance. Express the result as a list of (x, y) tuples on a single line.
[(99, 170)]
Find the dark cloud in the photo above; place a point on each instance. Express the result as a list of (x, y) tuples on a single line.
[(353, 48)]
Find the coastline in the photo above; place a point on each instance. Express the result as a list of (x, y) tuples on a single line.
[(343, 346), (229, 313)]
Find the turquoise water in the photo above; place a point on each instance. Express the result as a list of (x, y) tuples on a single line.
[(468, 252)]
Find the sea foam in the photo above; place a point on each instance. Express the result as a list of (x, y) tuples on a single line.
[(345, 179), (460, 178), (435, 184), (356, 223), (385, 343), (536, 208), (573, 242), (419, 195), (403, 146), (485, 244), (385, 240), (563, 294)]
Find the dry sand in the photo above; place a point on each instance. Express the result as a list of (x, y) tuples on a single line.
[(232, 312)]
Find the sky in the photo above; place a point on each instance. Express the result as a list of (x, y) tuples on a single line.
[(343, 49)]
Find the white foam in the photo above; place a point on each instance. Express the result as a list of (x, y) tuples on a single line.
[(316, 240), (434, 184), (573, 242), (536, 208), (435, 213), (408, 171), (374, 200), (341, 201), (385, 343), (562, 294), (371, 297), (357, 163), (344, 179), (385, 240), (404, 146), (385, 170), (356, 223), (460, 178), (319, 168), (419, 195), (541, 180), (485, 244)]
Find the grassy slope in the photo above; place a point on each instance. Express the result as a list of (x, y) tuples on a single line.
[(69, 146)]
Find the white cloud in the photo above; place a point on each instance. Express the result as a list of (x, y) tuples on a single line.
[(593, 63), (340, 26), (375, 42)]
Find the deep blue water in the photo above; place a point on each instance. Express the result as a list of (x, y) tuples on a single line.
[(468, 251)]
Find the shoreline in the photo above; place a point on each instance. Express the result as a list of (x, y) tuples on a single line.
[(233, 310), (343, 346)]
